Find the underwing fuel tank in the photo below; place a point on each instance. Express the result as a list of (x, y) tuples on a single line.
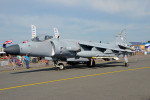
[(89, 54)]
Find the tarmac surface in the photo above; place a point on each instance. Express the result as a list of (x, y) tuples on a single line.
[(106, 81)]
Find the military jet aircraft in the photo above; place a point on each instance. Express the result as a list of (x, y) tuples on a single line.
[(70, 51)]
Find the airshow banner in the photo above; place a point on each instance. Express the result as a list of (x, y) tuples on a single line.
[(56, 32), (33, 29)]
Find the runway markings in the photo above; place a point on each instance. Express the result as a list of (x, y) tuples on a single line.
[(72, 78)]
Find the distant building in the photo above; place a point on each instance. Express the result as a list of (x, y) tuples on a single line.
[(147, 46), (136, 45), (2, 51), (139, 46)]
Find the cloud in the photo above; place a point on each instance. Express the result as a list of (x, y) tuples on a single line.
[(63, 2), (129, 8), (68, 27), (72, 27), (79, 19), (46, 23)]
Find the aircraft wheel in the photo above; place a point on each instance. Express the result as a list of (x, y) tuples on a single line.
[(61, 66)]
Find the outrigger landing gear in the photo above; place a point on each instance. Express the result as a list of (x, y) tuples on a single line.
[(126, 60)]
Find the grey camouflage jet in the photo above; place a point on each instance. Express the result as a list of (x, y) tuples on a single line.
[(70, 51)]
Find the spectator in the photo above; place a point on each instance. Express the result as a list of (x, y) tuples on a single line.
[(26, 59), (11, 61)]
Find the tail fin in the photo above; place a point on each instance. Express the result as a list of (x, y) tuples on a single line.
[(122, 38)]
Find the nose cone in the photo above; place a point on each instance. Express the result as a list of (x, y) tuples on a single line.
[(13, 49)]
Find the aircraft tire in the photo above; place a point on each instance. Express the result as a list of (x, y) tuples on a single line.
[(61, 66)]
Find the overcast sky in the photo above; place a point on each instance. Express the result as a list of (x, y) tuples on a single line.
[(95, 20)]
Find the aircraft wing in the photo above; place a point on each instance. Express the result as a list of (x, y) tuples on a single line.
[(105, 46)]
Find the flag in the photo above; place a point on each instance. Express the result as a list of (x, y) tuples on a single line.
[(33, 29), (56, 32), (25, 41), (8, 42)]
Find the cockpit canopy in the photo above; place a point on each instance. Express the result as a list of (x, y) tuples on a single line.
[(42, 37)]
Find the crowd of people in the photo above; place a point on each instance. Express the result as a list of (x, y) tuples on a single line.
[(18, 61)]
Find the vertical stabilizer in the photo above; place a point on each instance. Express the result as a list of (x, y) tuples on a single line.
[(122, 38)]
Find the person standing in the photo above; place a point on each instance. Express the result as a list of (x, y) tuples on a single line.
[(14, 62), (26, 59), (11, 62)]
